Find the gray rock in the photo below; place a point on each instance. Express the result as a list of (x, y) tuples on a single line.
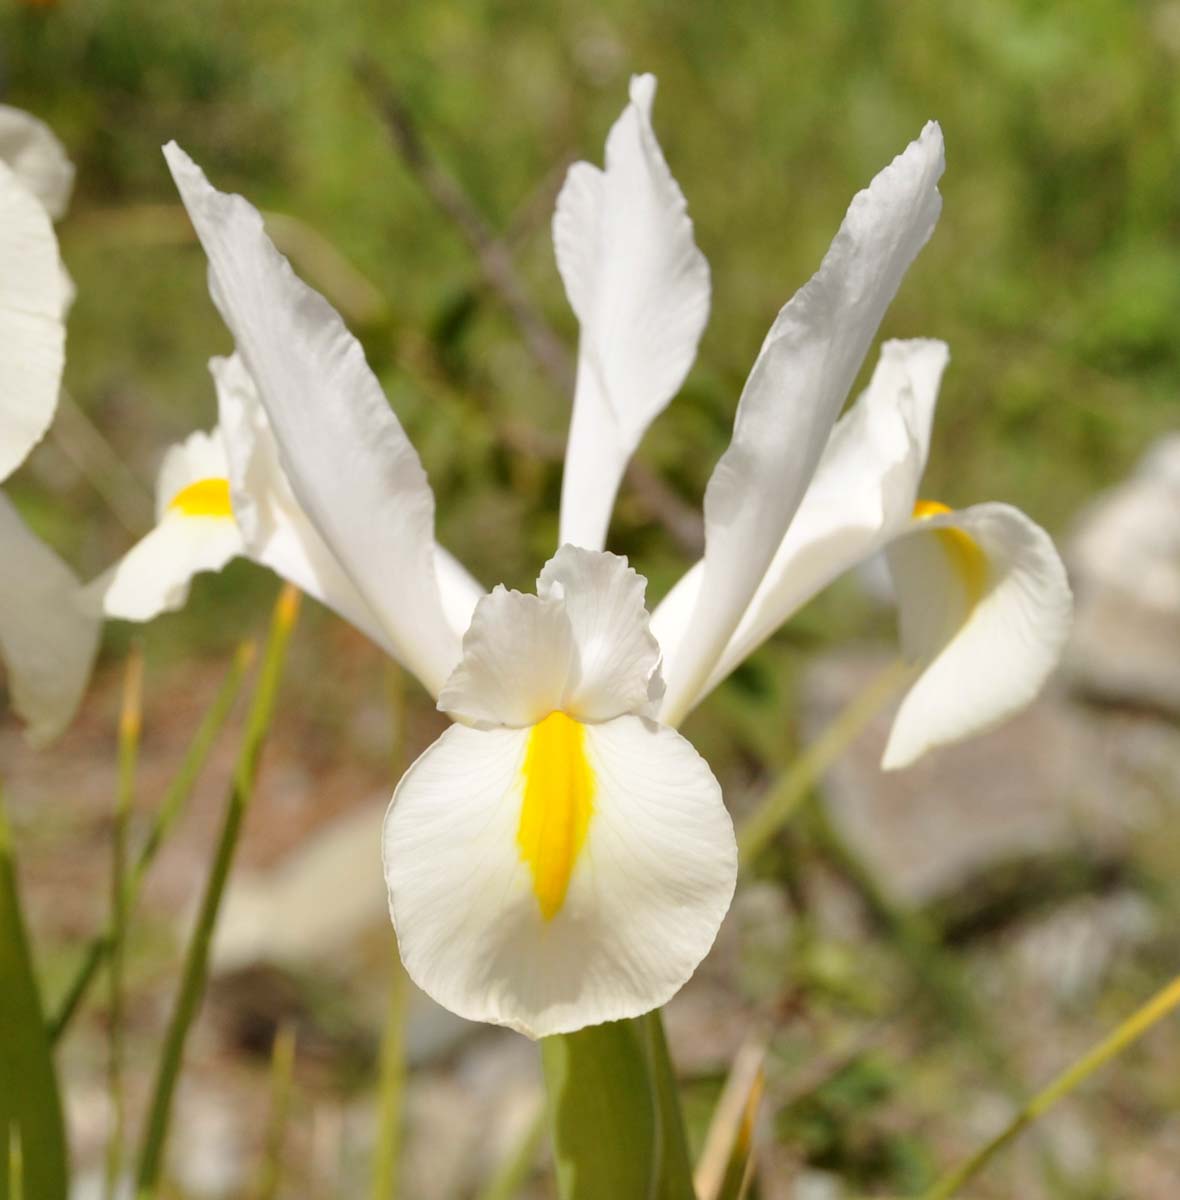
[(1057, 780), (1124, 557)]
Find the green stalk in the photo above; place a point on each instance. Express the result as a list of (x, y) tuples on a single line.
[(282, 1068), (130, 724), (391, 1091), (795, 784), (615, 1117), (30, 1113), (1134, 1027), (175, 799), (196, 959)]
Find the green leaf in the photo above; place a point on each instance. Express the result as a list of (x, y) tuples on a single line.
[(616, 1124), (29, 1101)]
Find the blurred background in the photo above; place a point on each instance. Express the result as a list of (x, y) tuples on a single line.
[(923, 946)]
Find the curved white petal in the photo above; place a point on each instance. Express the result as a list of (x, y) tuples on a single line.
[(47, 641), (39, 160), (33, 302), (518, 655), (616, 657), (155, 574), (986, 619), (862, 493), (195, 531), (349, 461), (640, 289), (581, 645), (199, 457), (645, 894), (280, 535), (798, 383)]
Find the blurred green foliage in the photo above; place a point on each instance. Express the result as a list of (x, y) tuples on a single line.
[(1054, 274)]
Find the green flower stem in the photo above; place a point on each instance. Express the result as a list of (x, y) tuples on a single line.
[(130, 724), (391, 1090), (793, 787), (615, 1118), (175, 799), (34, 1160), (196, 959), (1134, 1027)]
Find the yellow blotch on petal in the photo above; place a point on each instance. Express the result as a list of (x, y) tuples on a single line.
[(558, 801), (205, 498), (965, 553)]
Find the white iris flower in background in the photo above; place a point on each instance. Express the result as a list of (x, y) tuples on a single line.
[(561, 856), (46, 642)]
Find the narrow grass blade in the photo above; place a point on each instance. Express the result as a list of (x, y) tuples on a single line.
[(175, 799), (725, 1168), (391, 1088), (282, 1068), (514, 1171), (793, 787), (196, 958), (16, 1166), (1164, 1002), (30, 1111), (130, 724), (614, 1117)]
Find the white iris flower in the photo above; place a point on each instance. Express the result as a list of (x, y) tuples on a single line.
[(561, 856), (46, 642)]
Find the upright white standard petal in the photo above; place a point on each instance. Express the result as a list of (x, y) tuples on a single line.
[(861, 495), (517, 657), (560, 860), (348, 459), (640, 289), (34, 295), (617, 665), (39, 160), (47, 641), (984, 611), (195, 531), (801, 378), (280, 535)]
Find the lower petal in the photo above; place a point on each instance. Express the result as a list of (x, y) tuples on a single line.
[(154, 575), (552, 886), (984, 609)]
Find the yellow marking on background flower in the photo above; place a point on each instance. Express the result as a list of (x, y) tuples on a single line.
[(205, 498), (558, 801), (965, 553)]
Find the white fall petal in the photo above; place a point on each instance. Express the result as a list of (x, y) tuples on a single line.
[(34, 297), (46, 641), (560, 861), (651, 884), (640, 289), (984, 607), (794, 393), (349, 462)]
